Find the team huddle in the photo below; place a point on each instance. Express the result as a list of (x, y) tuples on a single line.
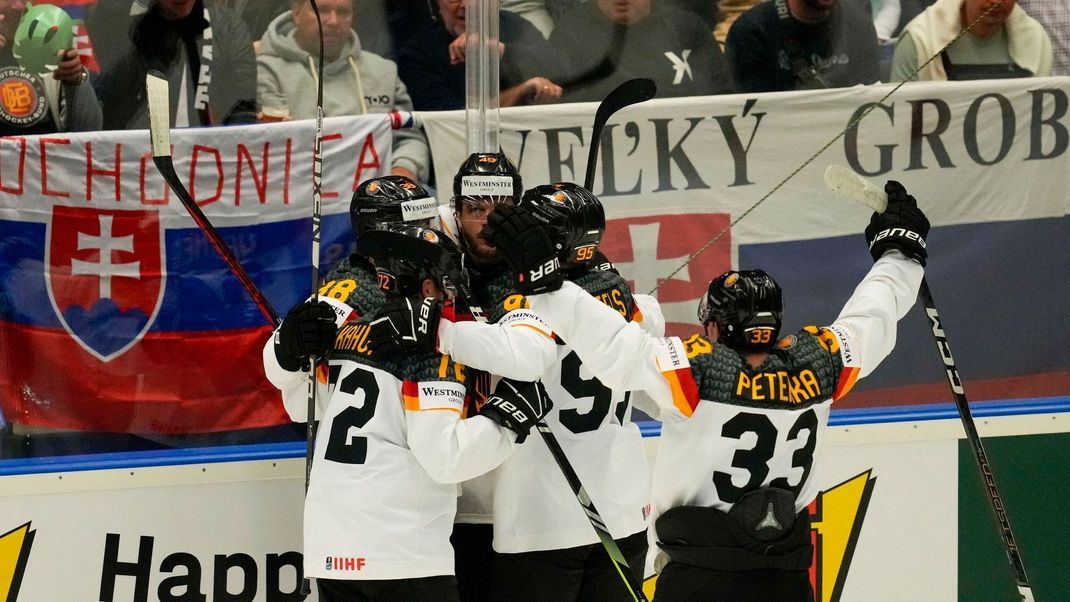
[(465, 348)]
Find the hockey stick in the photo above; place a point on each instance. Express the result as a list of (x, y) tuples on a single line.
[(317, 189), (160, 133), (846, 182), (387, 244), (630, 92)]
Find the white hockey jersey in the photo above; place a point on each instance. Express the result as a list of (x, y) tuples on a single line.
[(534, 507), (728, 427), (390, 449)]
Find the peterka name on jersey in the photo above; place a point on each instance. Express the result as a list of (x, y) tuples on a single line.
[(779, 386)]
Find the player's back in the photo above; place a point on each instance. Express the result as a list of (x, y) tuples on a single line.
[(534, 507), (754, 426), (371, 505)]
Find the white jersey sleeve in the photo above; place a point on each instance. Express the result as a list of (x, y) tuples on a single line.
[(519, 346), (649, 310), (449, 448), (621, 354), (866, 326), (294, 385)]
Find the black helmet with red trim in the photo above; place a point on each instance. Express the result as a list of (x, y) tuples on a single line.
[(747, 306)]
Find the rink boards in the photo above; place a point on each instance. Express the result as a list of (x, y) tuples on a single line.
[(901, 515)]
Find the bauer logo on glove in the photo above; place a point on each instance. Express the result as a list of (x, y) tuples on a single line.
[(515, 413), (898, 232), (547, 269)]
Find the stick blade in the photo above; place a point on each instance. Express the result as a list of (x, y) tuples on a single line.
[(631, 92), (844, 181), (158, 90)]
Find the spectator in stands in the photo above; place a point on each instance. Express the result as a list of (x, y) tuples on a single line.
[(204, 51), (432, 63), (803, 44), (356, 82), (41, 103), (727, 13), (610, 41), (1054, 15), (1004, 43)]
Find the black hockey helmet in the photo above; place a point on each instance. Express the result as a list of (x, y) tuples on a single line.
[(391, 201), (574, 218), (747, 306), (486, 177), (403, 257)]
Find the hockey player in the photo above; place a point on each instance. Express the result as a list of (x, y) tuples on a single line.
[(392, 444), (744, 413), (351, 289), (483, 181), (546, 547)]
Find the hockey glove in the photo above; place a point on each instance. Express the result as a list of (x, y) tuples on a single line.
[(902, 226), (517, 406), (524, 243), (308, 330), (405, 325)]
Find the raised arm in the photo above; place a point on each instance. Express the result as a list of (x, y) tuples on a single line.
[(620, 353)]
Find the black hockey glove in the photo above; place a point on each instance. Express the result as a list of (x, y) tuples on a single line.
[(308, 330), (524, 243), (405, 325), (517, 406), (902, 226)]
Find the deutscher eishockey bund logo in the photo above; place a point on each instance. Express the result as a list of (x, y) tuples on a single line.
[(105, 275)]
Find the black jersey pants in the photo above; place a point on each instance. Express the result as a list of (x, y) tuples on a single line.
[(580, 574), (440, 588)]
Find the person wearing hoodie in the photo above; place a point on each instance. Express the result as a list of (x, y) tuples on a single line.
[(355, 82), (1006, 42)]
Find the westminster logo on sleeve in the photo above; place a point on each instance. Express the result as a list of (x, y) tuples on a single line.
[(105, 275)]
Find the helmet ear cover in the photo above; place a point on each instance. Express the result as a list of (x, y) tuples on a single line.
[(574, 219), (747, 307)]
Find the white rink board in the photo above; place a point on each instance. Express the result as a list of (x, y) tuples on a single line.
[(257, 517), (907, 548)]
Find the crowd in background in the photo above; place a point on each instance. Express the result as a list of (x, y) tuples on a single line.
[(240, 61)]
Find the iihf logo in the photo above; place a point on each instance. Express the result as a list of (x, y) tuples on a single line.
[(105, 275), (330, 563)]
